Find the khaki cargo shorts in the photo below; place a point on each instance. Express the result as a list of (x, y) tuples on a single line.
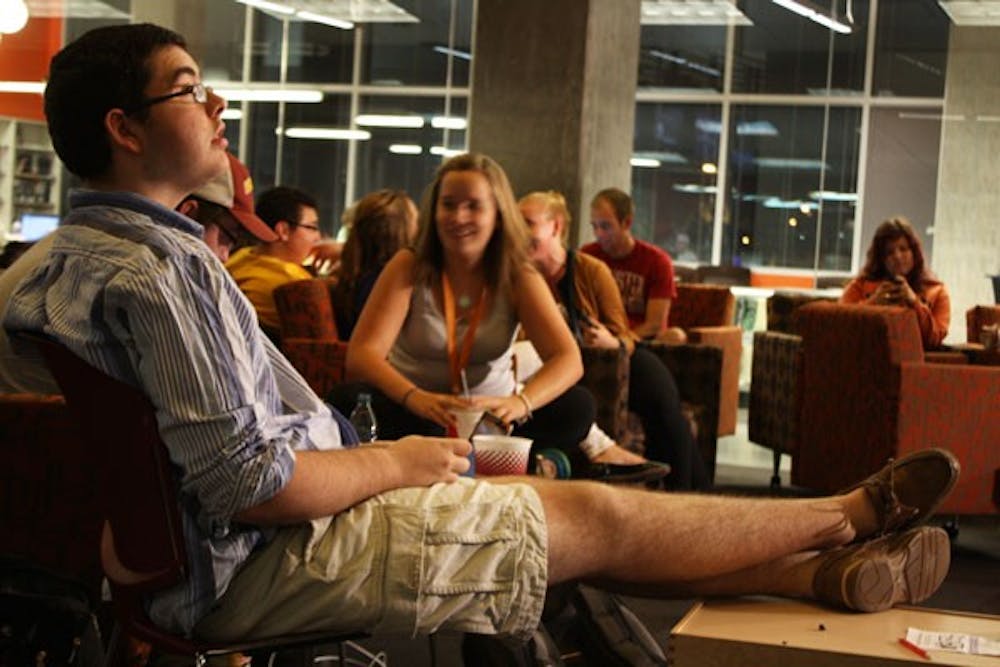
[(469, 556)]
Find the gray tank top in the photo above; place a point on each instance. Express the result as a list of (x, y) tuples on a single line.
[(421, 349)]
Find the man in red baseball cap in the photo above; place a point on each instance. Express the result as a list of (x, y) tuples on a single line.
[(224, 206)]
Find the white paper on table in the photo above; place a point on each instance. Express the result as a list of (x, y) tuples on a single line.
[(955, 642)]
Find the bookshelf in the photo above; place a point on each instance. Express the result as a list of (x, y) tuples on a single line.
[(30, 175)]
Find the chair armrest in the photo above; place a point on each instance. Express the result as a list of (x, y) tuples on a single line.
[(774, 390), (606, 376), (730, 340), (945, 358), (322, 363)]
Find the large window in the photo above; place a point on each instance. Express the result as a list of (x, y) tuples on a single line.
[(682, 57), (674, 177), (785, 53), (791, 200)]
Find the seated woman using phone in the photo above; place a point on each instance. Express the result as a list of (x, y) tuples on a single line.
[(436, 334), (895, 274)]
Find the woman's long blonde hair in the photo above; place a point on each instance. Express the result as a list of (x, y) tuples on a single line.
[(506, 252)]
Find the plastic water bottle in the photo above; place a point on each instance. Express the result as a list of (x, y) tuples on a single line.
[(363, 419)]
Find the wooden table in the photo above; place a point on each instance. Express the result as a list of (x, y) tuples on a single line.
[(772, 631)]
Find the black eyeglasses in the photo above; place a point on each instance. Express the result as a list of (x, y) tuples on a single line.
[(312, 227), (198, 90)]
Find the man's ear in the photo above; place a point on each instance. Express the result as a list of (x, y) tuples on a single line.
[(627, 223), (283, 229), (121, 131), (189, 208)]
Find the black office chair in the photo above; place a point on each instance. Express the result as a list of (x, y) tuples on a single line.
[(142, 543)]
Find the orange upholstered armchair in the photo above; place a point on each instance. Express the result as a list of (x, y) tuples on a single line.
[(705, 312), (868, 393), (309, 333)]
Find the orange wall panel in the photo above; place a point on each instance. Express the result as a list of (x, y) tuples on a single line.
[(781, 280), (24, 56)]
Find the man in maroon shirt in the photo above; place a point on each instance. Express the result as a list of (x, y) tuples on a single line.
[(644, 273)]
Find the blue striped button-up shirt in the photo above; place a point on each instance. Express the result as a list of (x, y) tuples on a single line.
[(130, 287)]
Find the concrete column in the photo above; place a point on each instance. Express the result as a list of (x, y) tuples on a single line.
[(967, 222), (553, 94)]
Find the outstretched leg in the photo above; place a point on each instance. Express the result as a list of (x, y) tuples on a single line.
[(633, 536)]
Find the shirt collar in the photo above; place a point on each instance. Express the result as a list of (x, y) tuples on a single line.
[(79, 198)]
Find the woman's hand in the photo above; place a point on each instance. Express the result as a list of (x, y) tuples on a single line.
[(895, 292), (884, 294), (509, 409), (596, 334), (435, 407)]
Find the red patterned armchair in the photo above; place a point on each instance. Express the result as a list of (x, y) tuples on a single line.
[(309, 333), (977, 317), (868, 393), (774, 378), (706, 371)]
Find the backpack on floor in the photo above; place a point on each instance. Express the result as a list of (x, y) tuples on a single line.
[(45, 619), (491, 651), (612, 634)]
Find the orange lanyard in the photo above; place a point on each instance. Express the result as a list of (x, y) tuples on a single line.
[(459, 359)]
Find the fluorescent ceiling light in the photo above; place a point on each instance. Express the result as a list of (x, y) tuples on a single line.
[(37, 87), (77, 9), (668, 157), (266, 94), (758, 128), (335, 133), (267, 6), (814, 13), (778, 202), (446, 152), (386, 120), (692, 12), (972, 12), (831, 195), (326, 20), (232, 114), (449, 123), (916, 115), (644, 162), (342, 14), (406, 149), (788, 163), (696, 189), (464, 55), (698, 67)]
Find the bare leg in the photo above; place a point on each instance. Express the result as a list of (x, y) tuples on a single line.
[(606, 533)]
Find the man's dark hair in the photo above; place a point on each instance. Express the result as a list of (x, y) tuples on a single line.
[(282, 203), (106, 68)]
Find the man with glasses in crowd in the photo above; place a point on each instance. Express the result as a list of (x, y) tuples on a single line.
[(258, 270), (286, 529)]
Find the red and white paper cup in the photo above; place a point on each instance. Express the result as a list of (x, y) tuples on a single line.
[(501, 454)]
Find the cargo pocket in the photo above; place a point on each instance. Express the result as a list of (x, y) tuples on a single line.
[(462, 570)]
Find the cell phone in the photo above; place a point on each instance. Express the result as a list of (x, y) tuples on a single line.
[(490, 424)]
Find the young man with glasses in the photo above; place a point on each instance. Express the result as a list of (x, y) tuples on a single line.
[(258, 270), (286, 529)]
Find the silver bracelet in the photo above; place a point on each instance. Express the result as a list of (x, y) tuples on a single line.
[(527, 404)]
